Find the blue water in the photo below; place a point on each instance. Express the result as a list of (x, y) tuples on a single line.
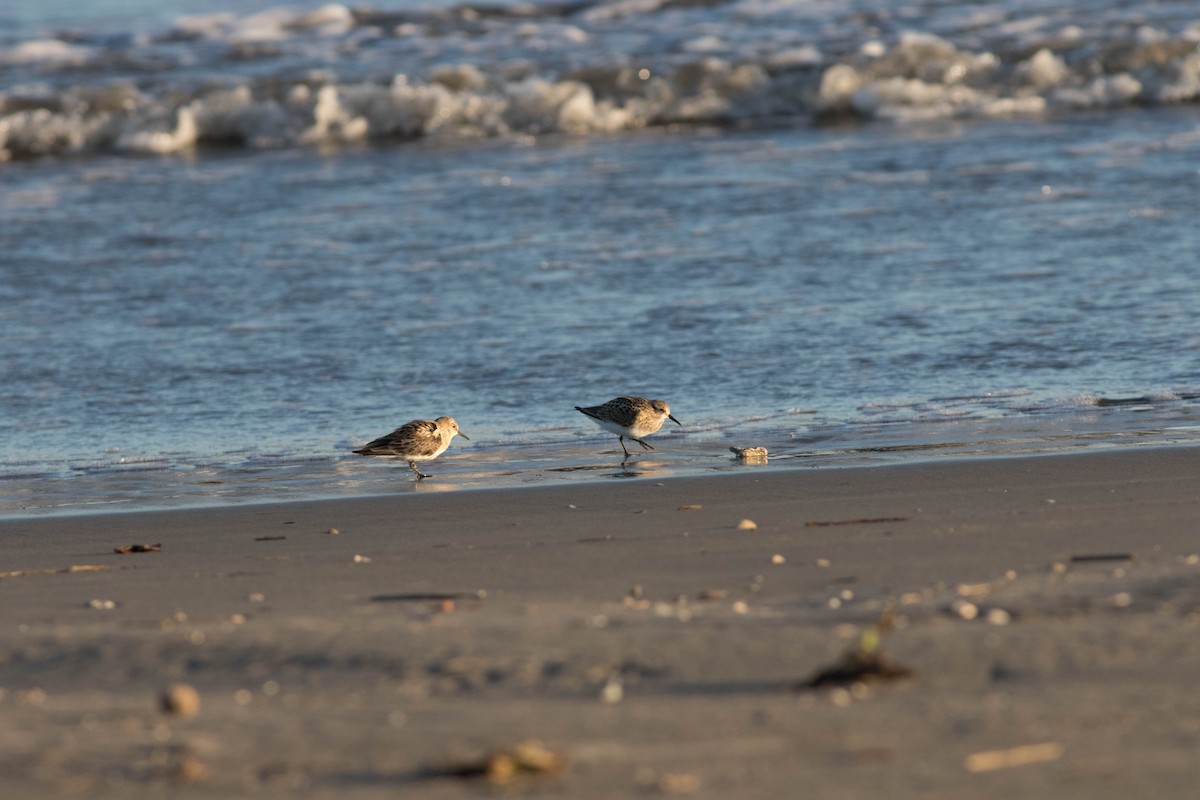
[(226, 320)]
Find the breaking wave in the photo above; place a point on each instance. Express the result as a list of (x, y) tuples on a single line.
[(335, 76)]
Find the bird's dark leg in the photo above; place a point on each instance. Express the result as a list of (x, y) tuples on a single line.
[(412, 465), (621, 439), (643, 444)]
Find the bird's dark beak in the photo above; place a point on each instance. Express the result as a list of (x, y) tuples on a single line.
[(468, 438), (677, 422)]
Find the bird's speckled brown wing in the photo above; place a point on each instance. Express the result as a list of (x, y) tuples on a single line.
[(622, 411), (417, 438)]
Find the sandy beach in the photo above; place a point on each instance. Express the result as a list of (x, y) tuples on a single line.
[(1046, 611)]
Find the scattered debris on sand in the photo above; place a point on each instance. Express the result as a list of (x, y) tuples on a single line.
[(861, 664)]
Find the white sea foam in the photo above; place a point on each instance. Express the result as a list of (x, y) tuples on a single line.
[(286, 77), (48, 52)]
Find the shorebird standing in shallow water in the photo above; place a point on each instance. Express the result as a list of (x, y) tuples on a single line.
[(632, 417), (419, 440)]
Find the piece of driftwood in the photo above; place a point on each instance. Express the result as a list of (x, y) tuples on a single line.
[(859, 521), (21, 573), (138, 548)]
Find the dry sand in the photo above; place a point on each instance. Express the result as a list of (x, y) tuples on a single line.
[(633, 629)]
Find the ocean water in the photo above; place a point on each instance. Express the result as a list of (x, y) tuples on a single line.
[(238, 240)]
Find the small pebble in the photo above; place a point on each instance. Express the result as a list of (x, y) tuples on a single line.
[(102, 605), (747, 525), (823, 563), (678, 783), (612, 692), (965, 609), (334, 531), (190, 769), (362, 559), (180, 700), (998, 616), (777, 559)]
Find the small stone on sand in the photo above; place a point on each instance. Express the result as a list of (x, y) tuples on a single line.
[(965, 609), (998, 616), (678, 783), (189, 769), (747, 525), (180, 700)]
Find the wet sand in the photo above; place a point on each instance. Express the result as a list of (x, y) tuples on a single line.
[(1048, 609)]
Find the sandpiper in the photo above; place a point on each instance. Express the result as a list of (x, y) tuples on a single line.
[(419, 440), (632, 417)]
